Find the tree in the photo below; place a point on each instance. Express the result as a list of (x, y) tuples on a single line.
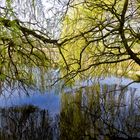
[(24, 39), (87, 34), (101, 33)]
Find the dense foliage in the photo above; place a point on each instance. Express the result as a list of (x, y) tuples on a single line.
[(74, 35)]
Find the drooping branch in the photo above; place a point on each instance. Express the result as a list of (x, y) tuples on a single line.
[(8, 23)]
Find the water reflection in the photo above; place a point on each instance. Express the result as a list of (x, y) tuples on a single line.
[(98, 111), (25, 123), (92, 114)]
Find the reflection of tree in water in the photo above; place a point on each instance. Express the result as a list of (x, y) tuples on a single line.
[(25, 123), (92, 114), (100, 112)]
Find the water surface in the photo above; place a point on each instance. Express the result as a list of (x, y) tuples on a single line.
[(103, 108)]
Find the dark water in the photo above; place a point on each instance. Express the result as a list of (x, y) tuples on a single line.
[(102, 109)]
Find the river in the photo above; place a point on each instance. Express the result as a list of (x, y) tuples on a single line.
[(95, 108)]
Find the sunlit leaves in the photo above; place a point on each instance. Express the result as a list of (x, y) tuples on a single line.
[(91, 36)]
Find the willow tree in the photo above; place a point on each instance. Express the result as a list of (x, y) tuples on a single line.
[(26, 38), (101, 34), (87, 35)]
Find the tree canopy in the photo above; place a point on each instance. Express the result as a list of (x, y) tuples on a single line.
[(87, 35)]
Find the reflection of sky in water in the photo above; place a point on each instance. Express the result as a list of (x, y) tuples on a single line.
[(120, 81), (51, 100), (108, 81)]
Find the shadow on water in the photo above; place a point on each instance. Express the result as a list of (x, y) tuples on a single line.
[(99, 112)]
